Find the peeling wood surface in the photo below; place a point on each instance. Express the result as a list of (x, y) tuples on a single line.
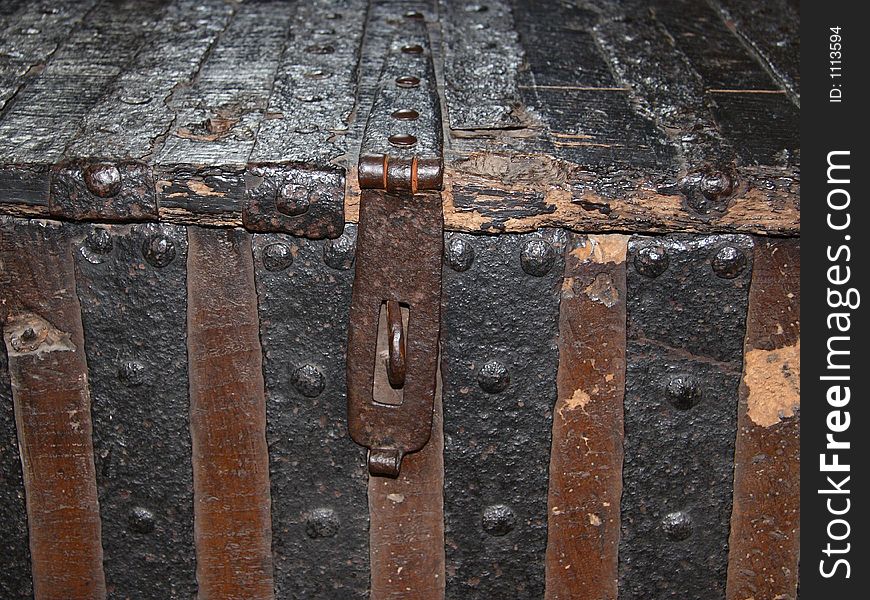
[(586, 459), (676, 116), (765, 523), (227, 419), (48, 374), (407, 524)]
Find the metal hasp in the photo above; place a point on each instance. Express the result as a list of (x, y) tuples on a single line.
[(398, 257)]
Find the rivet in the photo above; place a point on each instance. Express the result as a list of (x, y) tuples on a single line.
[(683, 392), (97, 245), (332, 16), (158, 250), (131, 373), (339, 253), (677, 525), (292, 199), (537, 257), (407, 81), (493, 377), (308, 380), (29, 339), (412, 49), (324, 31), (141, 520), (321, 523), (320, 49), (405, 114), (651, 261), (277, 257), (402, 140), (476, 8), (413, 14), (498, 519), (717, 184), (103, 180), (459, 255), (728, 262)]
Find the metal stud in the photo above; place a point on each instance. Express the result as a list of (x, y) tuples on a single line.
[(498, 519), (412, 49), (103, 180), (321, 523), (459, 254), (308, 380), (141, 520), (493, 377), (728, 262), (339, 253), (97, 246), (277, 257), (537, 257), (651, 261), (131, 373), (320, 49), (292, 199), (677, 525), (158, 250), (717, 184), (413, 14), (683, 392)]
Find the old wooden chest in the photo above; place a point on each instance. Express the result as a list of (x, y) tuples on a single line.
[(399, 299)]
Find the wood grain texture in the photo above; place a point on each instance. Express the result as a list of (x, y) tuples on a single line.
[(42, 329), (406, 537), (586, 459), (764, 547), (228, 419)]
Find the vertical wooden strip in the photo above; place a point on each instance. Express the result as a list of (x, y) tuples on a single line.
[(227, 419), (765, 527), (407, 524), (42, 329), (586, 459)]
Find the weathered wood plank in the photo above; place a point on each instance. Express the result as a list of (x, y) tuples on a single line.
[(772, 29), (228, 419), (314, 90), (136, 112), (203, 156), (42, 330), (131, 283), (586, 458), (764, 128), (407, 524), (30, 33), (764, 547)]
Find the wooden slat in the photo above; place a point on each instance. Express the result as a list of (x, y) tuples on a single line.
[(764, 547), (42, 329), (228, 419), (407, 524), (586, 460)]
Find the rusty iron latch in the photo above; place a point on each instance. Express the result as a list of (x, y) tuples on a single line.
[(395, 314)]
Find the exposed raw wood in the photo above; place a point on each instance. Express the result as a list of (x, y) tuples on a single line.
[(42, 330), (586, 460), (764, 548), (407, 524), (228, 419)]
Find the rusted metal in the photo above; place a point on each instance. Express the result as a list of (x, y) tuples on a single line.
[(396, 332), (398, 260), (103, 191)]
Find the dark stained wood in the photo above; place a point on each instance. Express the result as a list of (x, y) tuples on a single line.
[(228, 419), (586, 459), (772, 30), (42, 329), (407, 524), (764, 547)]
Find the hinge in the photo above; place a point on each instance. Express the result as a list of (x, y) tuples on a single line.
[(395, 314)]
